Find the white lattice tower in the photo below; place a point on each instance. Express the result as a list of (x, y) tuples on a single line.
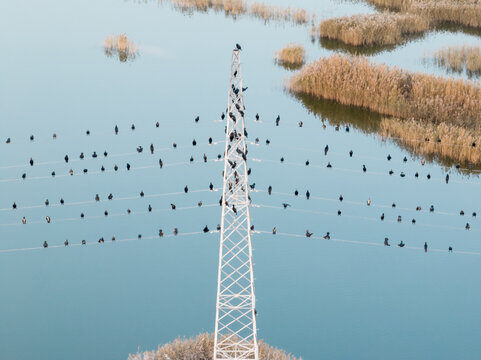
[(235, 324)]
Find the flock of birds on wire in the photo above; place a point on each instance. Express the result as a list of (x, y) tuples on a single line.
[(206, 229)]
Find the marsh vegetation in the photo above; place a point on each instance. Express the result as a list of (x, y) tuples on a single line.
[(459, 59), (120, 46), (291, 56), (202, 348)]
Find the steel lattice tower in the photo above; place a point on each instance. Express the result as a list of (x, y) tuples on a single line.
[(235, 325)]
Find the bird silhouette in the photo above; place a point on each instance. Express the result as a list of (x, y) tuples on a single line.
[(341, 198), (296, 192), (84, 242), (142, 193), (389, 157), (282, 159), (327, 236), (8, 141), (31, 161), (176, 231), (194, 143), (401, 244), (116, 167), (269, 190), (110, 197), (128, 166), (386, 241), (257, 116), (150, 208), (307, 163), (382, 216), (161, 233), (133, 127), (161, 164), (173, 206), (106, 213), (308, 194), (53, 174), (65, 242), (425, 247), (24, 175), (450, 249), (199, 204), (211, 186), (364, 168), (238, 47), (467, 227), (206, 229), (308, 234), (97, 197), (339, 212), (278, 119), (31, 138), (45, 244), (326, 149), (14, 205), (210, 140), (47, 202), (116, 130), (82, 215), (350, 153), (62, 201), (66, 158), (391, 172), (329, 165), (285, 205), (447, 178), (197, 119), (24, 220), (86, 171), (234, 209), (301, 123), (274, 231), (186, 189), (82, 156)]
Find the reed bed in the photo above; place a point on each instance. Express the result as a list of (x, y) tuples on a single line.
[(202, 348), (464, 12), (353, 80), (373, 29), (121, 46), (230, 7), (459, 58), (293, 55), (435, 140), (269, 12)]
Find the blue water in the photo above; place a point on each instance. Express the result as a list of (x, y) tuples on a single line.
[(315, 298)]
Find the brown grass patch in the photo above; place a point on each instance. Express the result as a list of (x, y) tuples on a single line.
[(121, 46), (446, 141), (373, 29), (459, 58), (464, 12), (202, 348), (293, 55), (352, 80), (269, 12)]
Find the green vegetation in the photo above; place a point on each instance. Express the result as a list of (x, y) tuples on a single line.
[(202, 348)]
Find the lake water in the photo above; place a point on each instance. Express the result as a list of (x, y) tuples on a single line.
[(317, 299)]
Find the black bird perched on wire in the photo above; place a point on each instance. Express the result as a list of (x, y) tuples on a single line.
[(329, 165), (191, 159), (268, 142), (206, 229), (405, 159), (413, 221), (391, 172), (450, 249), (176, 231), (307, 162), (82, 215), (186, 189), (161, 233), (87, 132), (53, 173), (285, 205), (416, 175), (382, 216), (199, 204), (97, 197), (278, 119), (253, 186), (222, 117), (94, 155), (205, 158), (8, 141), (245, 88), (234, 209), (474, 214), (86, 171), (161, 163), (308, 194), (238, 47), (257, 116), (467, 227), (339, 212), (308, 234), (140, 149), (157, 124), (173, 206), (174, 145), (210, 140), (431, 209), (84, 242), (197, 119), (24, 220), (106, 213)]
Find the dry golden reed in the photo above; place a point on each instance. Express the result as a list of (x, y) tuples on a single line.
[(292, 54), (464, 12), (353, 80), (435, 140), (121, 46), (458, 58), (241, 7), (373, 29), (202, 348)]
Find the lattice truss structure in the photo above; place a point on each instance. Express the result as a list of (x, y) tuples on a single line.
[(235, 326)]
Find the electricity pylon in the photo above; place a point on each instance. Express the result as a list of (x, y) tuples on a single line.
[(235, 324)]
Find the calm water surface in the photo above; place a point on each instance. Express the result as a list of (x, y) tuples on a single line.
[(316, 299)]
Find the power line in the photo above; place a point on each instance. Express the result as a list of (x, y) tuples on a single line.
[(78, 218)]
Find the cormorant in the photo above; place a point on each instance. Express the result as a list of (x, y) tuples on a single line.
[(66, 243), (278, 119), (210, 140), (327, 236), (106, 213), (461, 213), (142, 193), (194, 143), (350, 153), (62, 201), (307, 162), (82, 155), (133, 127), (431, 209), (14, 205), (116, 130), (391, 172), (31, 162), (211, 186), (269, 190), (222, 117), (53, 173), (173, 206), (450, 249), (128, 166), (85, 171), (402, 174), (8, 141), (253, 186), (339, 212), (24, 220), (101, 240), (386, 241), (474, 214), (401, 244), (47, 202), (150, 208), (128, 211), (413, 221), (140, 149), (389, 157), (268, 142), (326, 149), (282, 159), (308, 194), (285, 205), (405, 159), (24, 175), (66, 158), (428, 176), (161, 233), (257, 116), (174, 145), (308, 234), (31, 138), (87, 132), (218, 227), (186, 189), (364, 168), (341, 198), (197, 119), (82, 215), (45, 244), (206, 229), (176, 231), (296, 192), (274, 231), (393, 205), (425, 247), (416, 175), (116, 167), (139, 236), (399, 219), (151, 148)]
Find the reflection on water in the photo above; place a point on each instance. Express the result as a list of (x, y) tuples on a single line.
[(368, 122), (120, 46)]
